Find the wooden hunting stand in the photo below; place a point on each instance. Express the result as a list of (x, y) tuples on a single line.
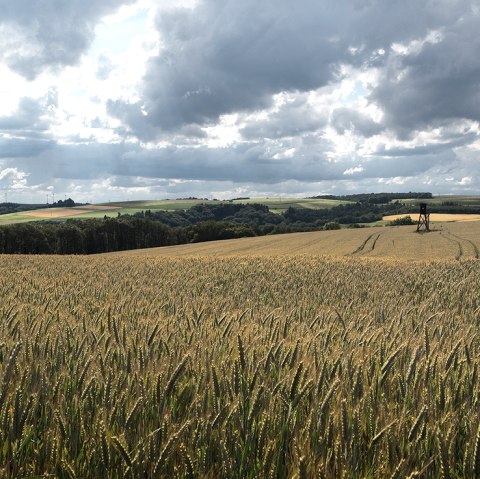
[(424, 218)]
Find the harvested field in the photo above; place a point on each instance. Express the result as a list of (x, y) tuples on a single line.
[(437, 217), (54, 212), (58, 213)]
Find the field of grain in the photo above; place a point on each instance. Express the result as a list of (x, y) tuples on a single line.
[(55, 213), (281, 365), (437, 217), (90, 211), (445, 241)]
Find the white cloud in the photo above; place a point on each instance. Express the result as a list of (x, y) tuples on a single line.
[(352, 171), (13, 179), (466, 181)]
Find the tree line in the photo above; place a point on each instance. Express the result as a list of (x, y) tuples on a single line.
[(377, 198)]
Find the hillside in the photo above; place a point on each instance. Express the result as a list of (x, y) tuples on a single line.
[(446, 241), (276, 205)]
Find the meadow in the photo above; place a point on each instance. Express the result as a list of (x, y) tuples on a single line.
[(262, 364)]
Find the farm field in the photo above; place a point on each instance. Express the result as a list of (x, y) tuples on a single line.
[(90, 211), (276, 205), (446, 241), (249, 363), (437, 217), (438, 200)]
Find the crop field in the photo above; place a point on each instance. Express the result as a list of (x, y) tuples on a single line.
[(285, 364), (457, 240), (438, 200), (437, 217), (90, 211)]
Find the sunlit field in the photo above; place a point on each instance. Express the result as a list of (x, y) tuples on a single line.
[(286, 364), (437, 217), (445, 241)]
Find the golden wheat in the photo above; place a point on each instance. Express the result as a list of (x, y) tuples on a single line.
[(305, 366)]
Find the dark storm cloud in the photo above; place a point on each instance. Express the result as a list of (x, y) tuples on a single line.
[(21, 148), (223, 57), (295, 117), (47, 34), (25, 132), (437, 84), (246, 163), (349, 119), (28, 117), (430, 149), (408, 166), (107, 168)]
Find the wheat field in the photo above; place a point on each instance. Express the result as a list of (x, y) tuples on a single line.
[(254, 366), (457, 240), (438, 217)]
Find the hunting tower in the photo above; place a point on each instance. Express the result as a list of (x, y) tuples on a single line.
[(424, 218)]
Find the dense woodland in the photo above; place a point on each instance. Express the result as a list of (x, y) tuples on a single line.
[(204, 222)]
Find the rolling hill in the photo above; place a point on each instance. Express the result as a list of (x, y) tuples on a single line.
[(446, 241), (276, 205)]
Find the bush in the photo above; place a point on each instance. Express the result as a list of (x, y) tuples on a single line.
[(404, 220), (332, 225), (356, 225)]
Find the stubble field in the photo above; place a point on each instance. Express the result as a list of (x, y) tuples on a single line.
[(271, 365)]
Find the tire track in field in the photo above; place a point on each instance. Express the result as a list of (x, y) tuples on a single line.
[(459, 245), (361, 248), (476, 251), (375, 241)]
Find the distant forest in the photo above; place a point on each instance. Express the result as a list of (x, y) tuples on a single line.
[(6, 208), (377, 198), (204, 222)]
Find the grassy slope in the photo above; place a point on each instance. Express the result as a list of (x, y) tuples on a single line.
[(447, 241), (276, 205), (438, 200)]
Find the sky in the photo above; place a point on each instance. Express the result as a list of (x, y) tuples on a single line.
[(152, 99)]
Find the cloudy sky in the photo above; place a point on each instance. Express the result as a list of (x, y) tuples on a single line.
[(124, 99)]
